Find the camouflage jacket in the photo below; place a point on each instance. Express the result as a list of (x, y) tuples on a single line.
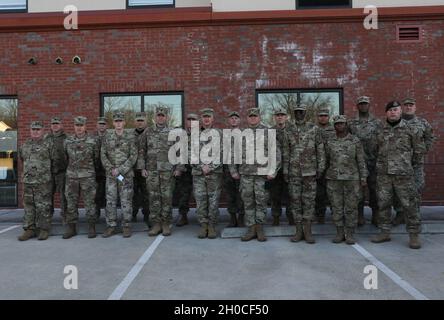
[(83, 156), (37, 161), (303, 150), (214, 167), (424, 129), (253, 169), (138, 139), (119, 152), (345, 159), (367, 130), (100, 170), (60, 162), (280, 132), (399, 150), (327, 132), (154, 148)]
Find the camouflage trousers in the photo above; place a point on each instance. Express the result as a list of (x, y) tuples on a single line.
[(302, 192), (37, 202), (278, 192), (160, 191), (232, 190), (75, 186), (344, 196), (183, 190), (116, 189), (207, 190), (255, 198), (419, 183), (100, 198), (371, 189), (403, 188), (322, 197), (140, 196), (59, 187)]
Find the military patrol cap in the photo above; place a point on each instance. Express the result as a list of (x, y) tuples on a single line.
[(36, 125), (233, 114), (101, 120), (161, 110), (254, 112), (363, 99), (392, 104), (300, 106), (409, 101), (140, 116), (280, 111), (323, 112), (80, 120), (192, 116), (339, 118), (206, 112), (118, 116), (55, 120)]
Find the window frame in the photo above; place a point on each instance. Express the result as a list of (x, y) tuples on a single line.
[(15, 10), (142, 97), (299, 7), (128, 6)]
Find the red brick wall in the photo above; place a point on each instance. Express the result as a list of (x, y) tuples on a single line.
[(222, 66)]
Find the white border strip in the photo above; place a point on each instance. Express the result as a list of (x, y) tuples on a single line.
[(10, 228), (135, 270), (389, 273)]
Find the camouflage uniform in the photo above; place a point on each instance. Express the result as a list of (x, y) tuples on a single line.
[(346, 170), (119, 152), (37, 183), (155, 146), (100, 199), (367, 130), (59, 168), (327, 133), (399, 153), (83, 158)]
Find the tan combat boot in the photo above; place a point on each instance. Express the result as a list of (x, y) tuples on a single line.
[(110, 231), (384, 236), (203, 232), (290, 220), (27, 234), (251, 233), (275, 221), (233, 221), (92, 230), (43, 234), (299, 235), (339, 235), (157, 229), (126, 232), (399, 219), (182, 221), (240, 221), (166, 230), (414, 242), (70, 231), (212, 232), (260, 233), (307, 233), (349, 239)]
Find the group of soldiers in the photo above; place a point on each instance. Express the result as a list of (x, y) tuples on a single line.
[(317, 165)]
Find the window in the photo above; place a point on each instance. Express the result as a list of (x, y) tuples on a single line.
[(149, 3), (13, 5), (319, 4), (143, 102), (8, 151), (315, 99)]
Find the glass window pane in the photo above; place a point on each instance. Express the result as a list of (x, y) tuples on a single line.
[(323, 3), (127, 104), (268, 102), (12, 4), (135, 3), (8, 152), (172, 102), (320, 100)]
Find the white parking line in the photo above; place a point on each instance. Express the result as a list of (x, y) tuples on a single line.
[(389, 273), (10, 228), (126, 282)]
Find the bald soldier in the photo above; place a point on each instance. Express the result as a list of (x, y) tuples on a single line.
[(37, 157)]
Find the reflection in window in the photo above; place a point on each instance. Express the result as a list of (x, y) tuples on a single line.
[(268, 101), (12, 5), (127, 104), (8, 151), (172, 102), (144, 3)]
